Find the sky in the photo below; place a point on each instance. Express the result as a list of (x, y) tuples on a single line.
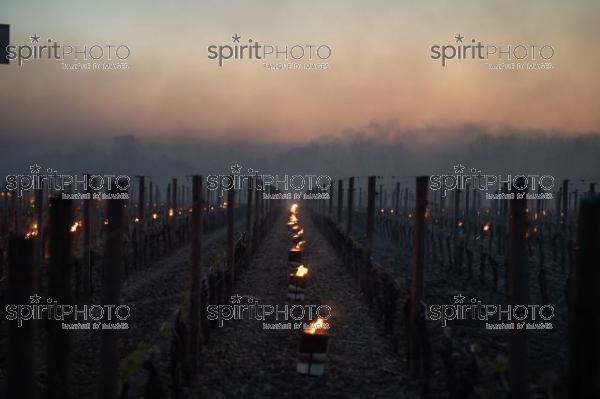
[(380, 70)]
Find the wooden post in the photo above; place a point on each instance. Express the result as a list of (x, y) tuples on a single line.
[(111, 292), (60, 274), (19, 378), (195, 270), (340, 200), (397, 205), (330, 199), (249, 211), (584, 298), (517, 291), (168, 200), (350, 203), (456, 213), (174, 191), (256, 229), (231, 232), (416, 287), (141, 196), (140, 226), (371, 212), (86, 274), (39, 205), (564, 217)]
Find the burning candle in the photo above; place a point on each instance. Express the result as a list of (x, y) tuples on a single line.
[(293, 221), (295, 254), (296, 238), (33, 232), (297, 283), (75, 226), (313, 348)]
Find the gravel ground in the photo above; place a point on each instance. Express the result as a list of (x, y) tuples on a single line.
[(245, 361)]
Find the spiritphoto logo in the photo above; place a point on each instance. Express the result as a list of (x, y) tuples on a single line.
[(518, 56), (86, 186), (495, 316), (306, 56), (281, 317), (271, 185), (73, 317), (72, 56), (539, 186)]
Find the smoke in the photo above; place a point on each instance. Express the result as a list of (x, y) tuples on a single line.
[(378, 149)]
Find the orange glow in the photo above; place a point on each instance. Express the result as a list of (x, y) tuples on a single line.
[(155, 216), (33, 232), (76, 225), (486, 227), (301, 271), (294, 209), (316, 327), (171, 212)]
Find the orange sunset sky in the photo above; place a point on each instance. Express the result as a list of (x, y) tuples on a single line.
[(380, 70)]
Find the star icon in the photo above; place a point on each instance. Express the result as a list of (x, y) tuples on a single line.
[(35, 38), (236, 169), (236, 38), (35, 298), (460, 298), (35, 169), (459, 38), (459, 168), (236, 298)]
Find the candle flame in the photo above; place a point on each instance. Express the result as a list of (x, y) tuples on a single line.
[(298, 234), (33, 232), (294, 209), (301, 271), (316, 327), (76, 225), (486, 226)]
